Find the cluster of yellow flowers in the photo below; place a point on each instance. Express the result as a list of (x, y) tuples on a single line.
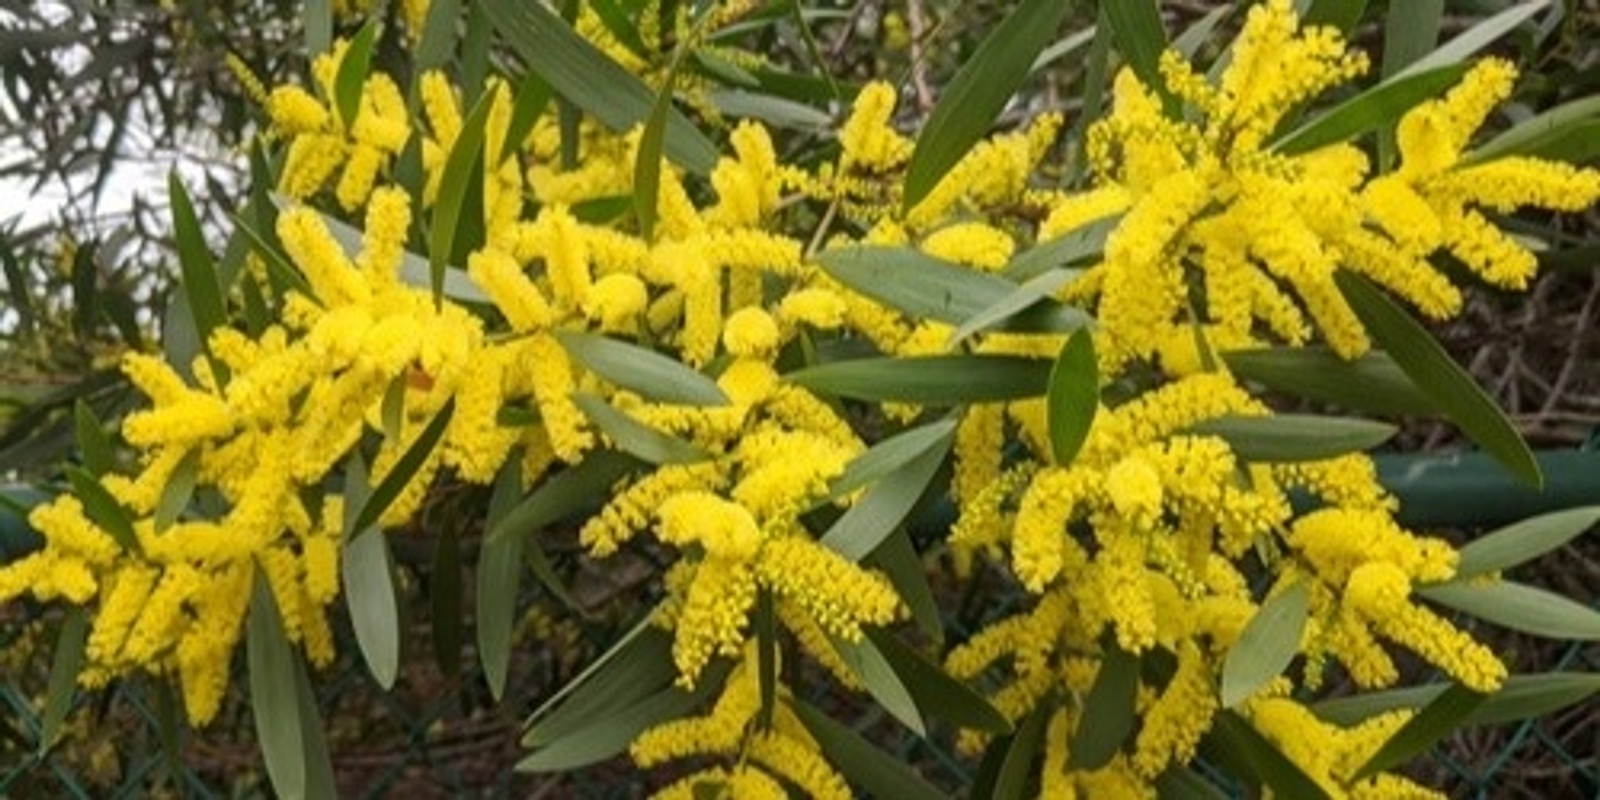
[(1137, 545)]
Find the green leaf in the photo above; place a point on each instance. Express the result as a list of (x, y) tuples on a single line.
[(979, 92), (1189, 42), (866, 767), (890, 455), (179, 490), (1475, 38), (1011, 308), (1372, 383), (776, 111), (1013, 778), (574, 489), (900, 561), (314, 745), (1183, 783), (880, 511), (1340, 14), (644, 371), (532, 99), (414, 269), (395, 480), (64, 669), (636, 666), (1267, 644), (937, 695), (202, 289), (352, 74), (1140, 38), (589, 78), (872, 667), (1449, 387), (438, 38), (274, 700), (1083, 244), (103, 510), (1294, 437), (1520, 697), (444, 595), (94, 446), (603, 737), (635, 437), (366, 571), (1411, 30), (460, 168), (1108, 710), (1257, 755), (1567, 132), (1074, 397), (1371, 110), (1519, 607), (1523, 541), (929, 380), (319, 27), (499, 580), (1440, 718)]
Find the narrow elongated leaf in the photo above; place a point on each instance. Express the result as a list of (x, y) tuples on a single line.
[(94, 446), (400, 474), (438, 38), (1340, 14), (889, 455), (1449, 387), (869, 664), (202, 289), (1108, 711), (1012, 779), (765, 623), (1084, 244), (1140, 38), (1018, 305), (319, 26), (1519, 607), (1476, 38), (1441, 717), (499, 580), (313, 743), (352, 74), (1182, 783), (460, 168), (532, 99), (589, 78), (1548, 134), (881, 510), (865, 766), (1074, 397), (1520, 697), (635, 437), (1373, 109), (1523, 541), (636, 666), (1189, 42), (1295, 437), (365, 568), (1267, 644), (1411, 30), (274, 700), (775, 111), (979, 92), (64, 668), (929, 380), (914, 282), (179, 490), (1259, 756), (900, 561), (1372, 383), (103, 509), (645, 371), (607, 736), (937, 695), (568, 492)]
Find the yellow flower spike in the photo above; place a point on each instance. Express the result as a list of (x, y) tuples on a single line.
[(202, 653), (823, 309), (68, 531), (617, 302), (713, 616), (1379, 592), (162, 615), (1073, 211), (750, 333), (1125, 590), (119, 608), (974, 244), (839, 594), (1134, 487), (333, 278), (784, 471), (814, 642), (800, 765), (726, 530), (517, 297), (295, 111), (868, 141), (1040, 549), (553, 385), (1181, 714), (630, 509)]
